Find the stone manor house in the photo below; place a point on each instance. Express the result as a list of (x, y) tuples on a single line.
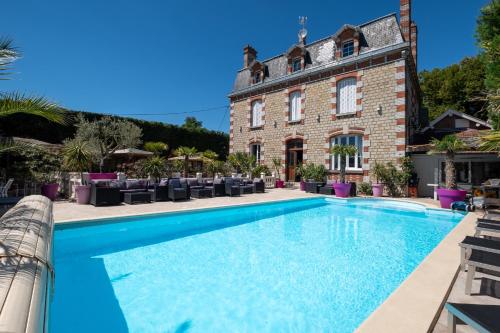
[(358, 86)]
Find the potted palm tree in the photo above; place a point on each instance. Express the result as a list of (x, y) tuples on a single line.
[(77, 157), (342, 189), (449, 146), (154, 167), (277, 167), (379, 173)]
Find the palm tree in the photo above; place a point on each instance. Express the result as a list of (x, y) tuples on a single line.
[(77, 156), (449, 145), (187, 152), (12, 103), (343, 151), (491, 142)]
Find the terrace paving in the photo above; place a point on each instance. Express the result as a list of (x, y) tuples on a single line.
[(66, 212)]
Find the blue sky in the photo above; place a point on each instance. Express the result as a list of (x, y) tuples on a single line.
[(142, 57)]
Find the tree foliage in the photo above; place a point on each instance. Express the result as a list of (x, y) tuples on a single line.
[(77, 156), (14, 103), (155, 167), (343, 151), (106, 135), (156, 147), (192, 124), (488, 37), (186, 152), (459, 87)]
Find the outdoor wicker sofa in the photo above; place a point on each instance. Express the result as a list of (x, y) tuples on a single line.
[(312, 186), (101, 194), (177, 189), (328, 188)]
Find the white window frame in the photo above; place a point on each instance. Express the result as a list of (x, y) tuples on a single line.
[(256, 113), (350, 41), (346, 95), (295, 106), (258, 152), (358, 159)]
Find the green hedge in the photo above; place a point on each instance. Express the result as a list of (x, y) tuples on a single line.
[(27, 126)]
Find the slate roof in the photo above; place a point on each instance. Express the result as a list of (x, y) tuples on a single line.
[(374, 35)]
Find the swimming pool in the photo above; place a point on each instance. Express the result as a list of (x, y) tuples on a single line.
[(298, 266)]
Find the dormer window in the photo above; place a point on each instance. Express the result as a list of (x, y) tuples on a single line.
[(348, 48), (296, 65), (257, 77)]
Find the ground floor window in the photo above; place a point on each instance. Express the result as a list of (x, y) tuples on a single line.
[(474, 173), (255, 151), (352, 162)]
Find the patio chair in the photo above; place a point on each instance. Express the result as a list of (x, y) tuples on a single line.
[(177, 190), (480, 259), (232, 187), (5, 188), (476, 243), (481, 227), (259, 186), (481, 317)]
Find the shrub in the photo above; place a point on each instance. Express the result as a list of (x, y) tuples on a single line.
[(256, 171), (365, 188)]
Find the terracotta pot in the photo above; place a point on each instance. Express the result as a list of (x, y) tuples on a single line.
[(280, 184), (50, 190), (447, 197), (342, 190), (378, 190), (82, 194)]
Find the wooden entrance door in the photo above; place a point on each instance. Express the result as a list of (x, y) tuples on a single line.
[(293, 159)]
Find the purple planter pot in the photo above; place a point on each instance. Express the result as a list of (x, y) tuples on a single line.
[(378, 190), (342, 190), (447, 197), (82, 194), (280, 184), (302, 185), (50, 191)]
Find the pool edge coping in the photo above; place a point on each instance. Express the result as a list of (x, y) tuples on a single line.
[(415, 305)]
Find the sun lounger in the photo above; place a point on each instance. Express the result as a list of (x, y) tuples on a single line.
[(487, 221), (480, 259), (475, 243), (481, 227), (482, 318)]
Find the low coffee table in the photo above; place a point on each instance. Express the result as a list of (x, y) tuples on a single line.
[(201, 193), (137, 197)]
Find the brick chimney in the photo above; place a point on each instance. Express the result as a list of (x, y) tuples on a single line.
[(249, 55), (408, 27), (413, 41), (405, 18)]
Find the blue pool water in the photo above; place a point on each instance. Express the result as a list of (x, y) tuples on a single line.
[(314, 265)]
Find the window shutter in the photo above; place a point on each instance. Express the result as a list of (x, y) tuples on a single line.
[(295, 105), (256, 113), (347, 96)]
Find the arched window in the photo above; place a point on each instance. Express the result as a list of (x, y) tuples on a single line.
[(256, 113), (346, 95), (294, 106), (352, 162)]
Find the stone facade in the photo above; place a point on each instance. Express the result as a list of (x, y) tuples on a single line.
[(386, 114)]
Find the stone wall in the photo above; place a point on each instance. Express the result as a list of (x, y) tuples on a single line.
[(380, 118)]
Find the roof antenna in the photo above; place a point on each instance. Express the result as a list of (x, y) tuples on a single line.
[(303, 30)]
